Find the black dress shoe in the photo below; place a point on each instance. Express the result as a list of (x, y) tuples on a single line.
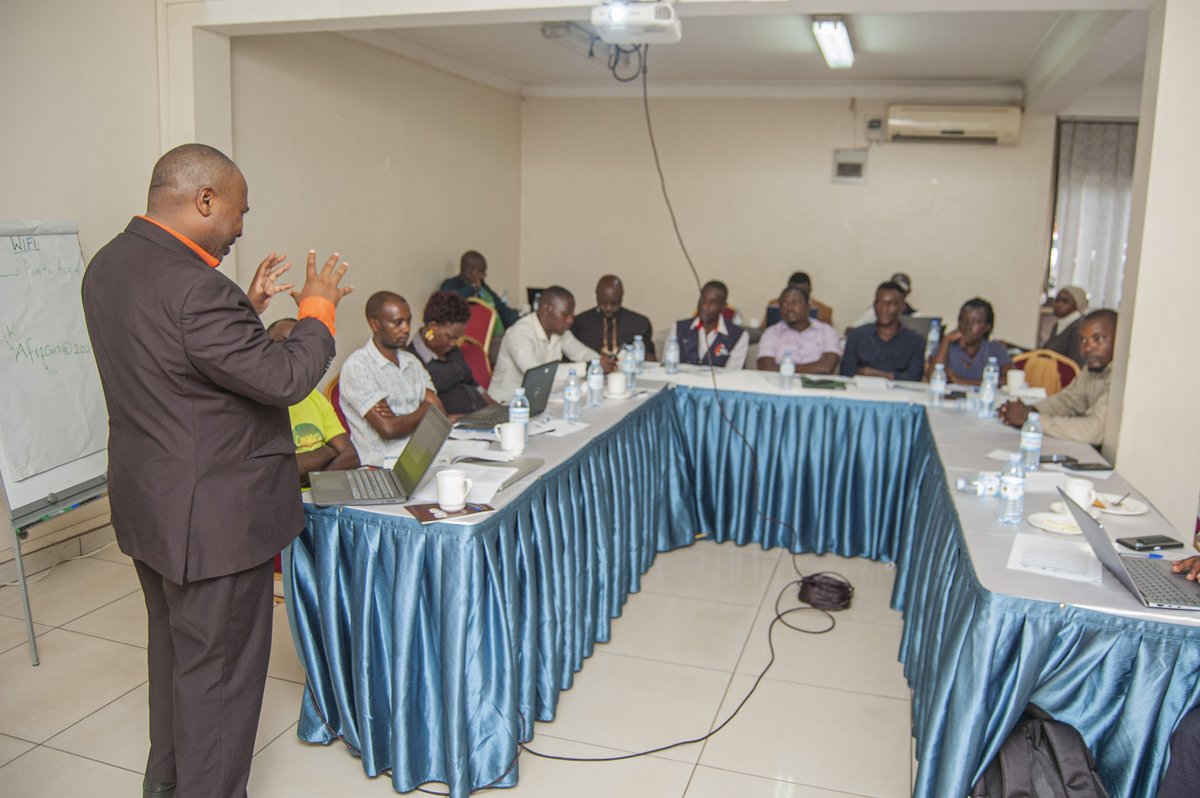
[(157, 790)]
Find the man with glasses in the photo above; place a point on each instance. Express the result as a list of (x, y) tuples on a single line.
[(1077, 413)]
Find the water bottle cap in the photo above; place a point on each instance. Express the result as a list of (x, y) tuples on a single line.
[(570, 372), (1014, 457), (519, 391), (637, 337), (1034, 416)]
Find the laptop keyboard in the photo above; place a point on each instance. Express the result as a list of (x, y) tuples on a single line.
[(371, 485), (1158, 586)]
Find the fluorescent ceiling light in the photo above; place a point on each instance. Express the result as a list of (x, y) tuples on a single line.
[(834, 41)]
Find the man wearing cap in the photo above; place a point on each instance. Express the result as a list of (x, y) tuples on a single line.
[(905, 282)]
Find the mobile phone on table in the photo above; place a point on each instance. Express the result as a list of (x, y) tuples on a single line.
[(1060, 459), (1087, 466), (1150, 543)]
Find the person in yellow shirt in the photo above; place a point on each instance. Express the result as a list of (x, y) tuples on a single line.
[(322, 443)]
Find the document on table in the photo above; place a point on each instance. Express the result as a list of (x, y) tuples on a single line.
[(485, 483), (1065, 559)]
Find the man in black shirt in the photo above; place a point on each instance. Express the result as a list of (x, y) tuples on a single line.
[(609, 326), (885, 348)]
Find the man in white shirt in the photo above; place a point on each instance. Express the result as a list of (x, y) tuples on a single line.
[(385, 391), (539, 338), (708, 339)]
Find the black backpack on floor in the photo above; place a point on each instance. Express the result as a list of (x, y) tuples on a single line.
[(1041, 758)]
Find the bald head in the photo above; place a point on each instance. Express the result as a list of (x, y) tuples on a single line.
[(197, 191), (610, 293)]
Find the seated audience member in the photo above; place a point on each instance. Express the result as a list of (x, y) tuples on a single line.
[(540, 338), (965, 350), (1077, 412), (816, 309), (471, 281), (609, 326), (436, 344), (1183, 771), (811, 344), (902, 280), (885, 348), (385, 391), (1069, 307), (707, 339), (322, 443)]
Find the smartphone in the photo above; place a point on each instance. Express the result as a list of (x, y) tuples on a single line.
[(1061, 459), (1087, 466), (1150, 543)]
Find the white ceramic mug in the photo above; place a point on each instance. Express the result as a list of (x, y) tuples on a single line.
[(452, 489), (615, 384), (512, 436), (1016, 380), (1082, 491)]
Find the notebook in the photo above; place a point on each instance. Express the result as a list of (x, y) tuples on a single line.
[(1151, 580), (538, 383), (383, 486)]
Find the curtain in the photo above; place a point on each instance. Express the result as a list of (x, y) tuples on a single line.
[(1091, 214)]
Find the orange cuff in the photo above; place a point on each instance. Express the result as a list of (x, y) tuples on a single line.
[(321, 309)]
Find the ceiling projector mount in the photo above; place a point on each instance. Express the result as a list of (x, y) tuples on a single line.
[(634, 22)]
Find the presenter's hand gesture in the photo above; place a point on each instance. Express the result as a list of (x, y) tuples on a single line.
[(325, 283), (263, 286)]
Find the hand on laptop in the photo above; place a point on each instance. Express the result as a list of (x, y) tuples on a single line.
[(1190, 566)]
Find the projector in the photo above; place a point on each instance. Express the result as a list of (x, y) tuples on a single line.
[(637, 23)]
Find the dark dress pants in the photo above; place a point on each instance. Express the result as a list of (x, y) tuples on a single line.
[(209, 644)]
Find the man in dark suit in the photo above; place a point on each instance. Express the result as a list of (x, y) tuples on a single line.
[(609, 326), (202, 470)]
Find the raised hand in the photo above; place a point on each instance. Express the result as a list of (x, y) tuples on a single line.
[(325, 283), (263, 286)]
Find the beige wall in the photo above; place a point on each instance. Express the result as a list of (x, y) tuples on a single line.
[(79, 124), (750, 181), (397, 166)]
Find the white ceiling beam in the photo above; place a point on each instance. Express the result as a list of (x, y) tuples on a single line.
[(1080, 54), (887, 91)]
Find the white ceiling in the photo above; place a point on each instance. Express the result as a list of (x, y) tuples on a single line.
[(1056, 56)]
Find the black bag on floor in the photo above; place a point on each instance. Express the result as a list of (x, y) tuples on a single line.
[(1041, 758)]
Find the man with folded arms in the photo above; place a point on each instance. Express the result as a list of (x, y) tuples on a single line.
[(201, 467), (885, 348), (812, 345), (322, 443), (540, 338), (607, 327), (1079, 411), (384, 390)]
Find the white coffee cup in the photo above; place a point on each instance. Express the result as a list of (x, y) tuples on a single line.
[(1016, 380), (452, 489), (512, 436), (615, 384), (1082, 491)]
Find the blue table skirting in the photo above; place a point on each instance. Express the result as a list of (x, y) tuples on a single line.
[(431, 650)]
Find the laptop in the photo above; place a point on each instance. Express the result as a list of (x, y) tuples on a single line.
[(383, 486), (538, 383), (1151, 580)]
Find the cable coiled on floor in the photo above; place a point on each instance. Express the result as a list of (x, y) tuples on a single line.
[(826, 590)]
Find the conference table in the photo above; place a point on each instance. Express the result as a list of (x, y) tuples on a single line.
[(431, 650)]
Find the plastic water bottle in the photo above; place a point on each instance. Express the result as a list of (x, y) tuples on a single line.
[(985, 483), (988, 388), (629, 366), (639, 352), (933, 338), (572, 397), (1031, 442), (671, 354), (937, 386), (518, 409), (595, 383), (1012, 491), (787, 371)]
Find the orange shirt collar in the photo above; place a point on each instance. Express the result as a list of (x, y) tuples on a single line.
[(192, 245)]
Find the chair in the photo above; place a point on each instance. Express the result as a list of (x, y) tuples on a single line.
[(477, 340), (1047, 369), (333, 394)]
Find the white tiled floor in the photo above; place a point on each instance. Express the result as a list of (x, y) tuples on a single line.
[(830, 719)]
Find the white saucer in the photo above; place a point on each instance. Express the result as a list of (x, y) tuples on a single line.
[(1059, 508), (624, 395), (1130, 506), (1053, 522)]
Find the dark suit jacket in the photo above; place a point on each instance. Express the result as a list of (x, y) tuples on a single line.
[(589, 329), (201, 466)]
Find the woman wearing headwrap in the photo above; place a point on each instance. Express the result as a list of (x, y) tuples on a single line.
[(1069, 306)]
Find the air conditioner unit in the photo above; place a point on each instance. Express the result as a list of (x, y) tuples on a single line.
[(624, 23), (979, 123)]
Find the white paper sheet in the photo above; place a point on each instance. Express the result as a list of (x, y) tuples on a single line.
[(1063, 559)]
